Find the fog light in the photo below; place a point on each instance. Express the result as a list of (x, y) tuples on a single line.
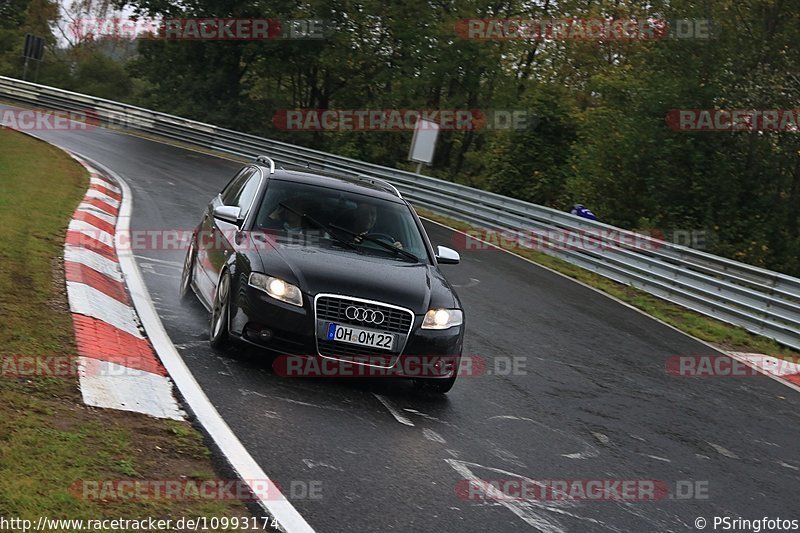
[(443, 366)]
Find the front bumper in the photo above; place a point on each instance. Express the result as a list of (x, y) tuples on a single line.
[(291, 331)]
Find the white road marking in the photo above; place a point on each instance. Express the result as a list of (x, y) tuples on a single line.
[(96, 211), (86, 300), (245, 392), (769, 364), (426, 416), (104, 183), (103, 197), (508, 457), (112, 386), (657, 458), (767, 443), (531, 511), (588, 452), (308, 404), (314, 464), (724, 451), (432, 436), (185, 345), (395, 413), (93, 260), (99, 213), (577, 455), (84, 228), (751, 364)]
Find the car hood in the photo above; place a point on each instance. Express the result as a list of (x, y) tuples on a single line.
[(415, 286)]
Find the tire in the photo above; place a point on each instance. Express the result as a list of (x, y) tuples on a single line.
[(218, 334), (435, 386), (185, 291)]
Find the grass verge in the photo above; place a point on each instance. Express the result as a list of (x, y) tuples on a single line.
[(724, 336), (49, 440)]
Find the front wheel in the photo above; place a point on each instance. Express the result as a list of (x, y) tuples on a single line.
[(218, 330), (187, 273)]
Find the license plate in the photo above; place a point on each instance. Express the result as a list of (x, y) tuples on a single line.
[(361, 337)]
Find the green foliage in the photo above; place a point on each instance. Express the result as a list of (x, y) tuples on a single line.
[(98, 75), (599, 136)]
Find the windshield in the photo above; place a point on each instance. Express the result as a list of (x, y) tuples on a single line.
[(308, 215)]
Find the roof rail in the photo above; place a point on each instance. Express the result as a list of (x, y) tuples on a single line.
[(382, 183), (268, 161), (319, 169)]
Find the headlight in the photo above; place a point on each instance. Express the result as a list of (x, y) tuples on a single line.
[(442, 319), (277, 288)]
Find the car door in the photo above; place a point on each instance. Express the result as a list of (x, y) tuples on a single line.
[(219, 246), (208, 236)]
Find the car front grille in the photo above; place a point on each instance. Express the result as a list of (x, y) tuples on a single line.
[(332, 309)]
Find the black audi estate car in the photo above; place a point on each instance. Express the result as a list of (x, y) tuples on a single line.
[(317, 266)]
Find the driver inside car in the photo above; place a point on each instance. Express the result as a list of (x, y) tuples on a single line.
[(287, 217), (361, 220)]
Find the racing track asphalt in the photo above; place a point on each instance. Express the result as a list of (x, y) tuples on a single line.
[(594, 401)]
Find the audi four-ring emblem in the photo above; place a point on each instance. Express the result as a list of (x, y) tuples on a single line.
[(364, 315)]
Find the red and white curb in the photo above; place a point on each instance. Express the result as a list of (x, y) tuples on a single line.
[(196, 400), (118, 368), (780, 370)]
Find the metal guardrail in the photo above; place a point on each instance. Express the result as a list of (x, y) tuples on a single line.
[(762, 301)]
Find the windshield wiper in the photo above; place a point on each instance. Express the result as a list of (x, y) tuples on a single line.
[(319, 225), (385, 245)]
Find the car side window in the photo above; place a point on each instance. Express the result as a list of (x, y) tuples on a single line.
[(234, 189), (245, 197)]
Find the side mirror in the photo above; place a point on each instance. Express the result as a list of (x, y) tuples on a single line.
[(228, 213), (447, 256)]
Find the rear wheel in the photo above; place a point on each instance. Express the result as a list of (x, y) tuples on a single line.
[(219, 336)]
